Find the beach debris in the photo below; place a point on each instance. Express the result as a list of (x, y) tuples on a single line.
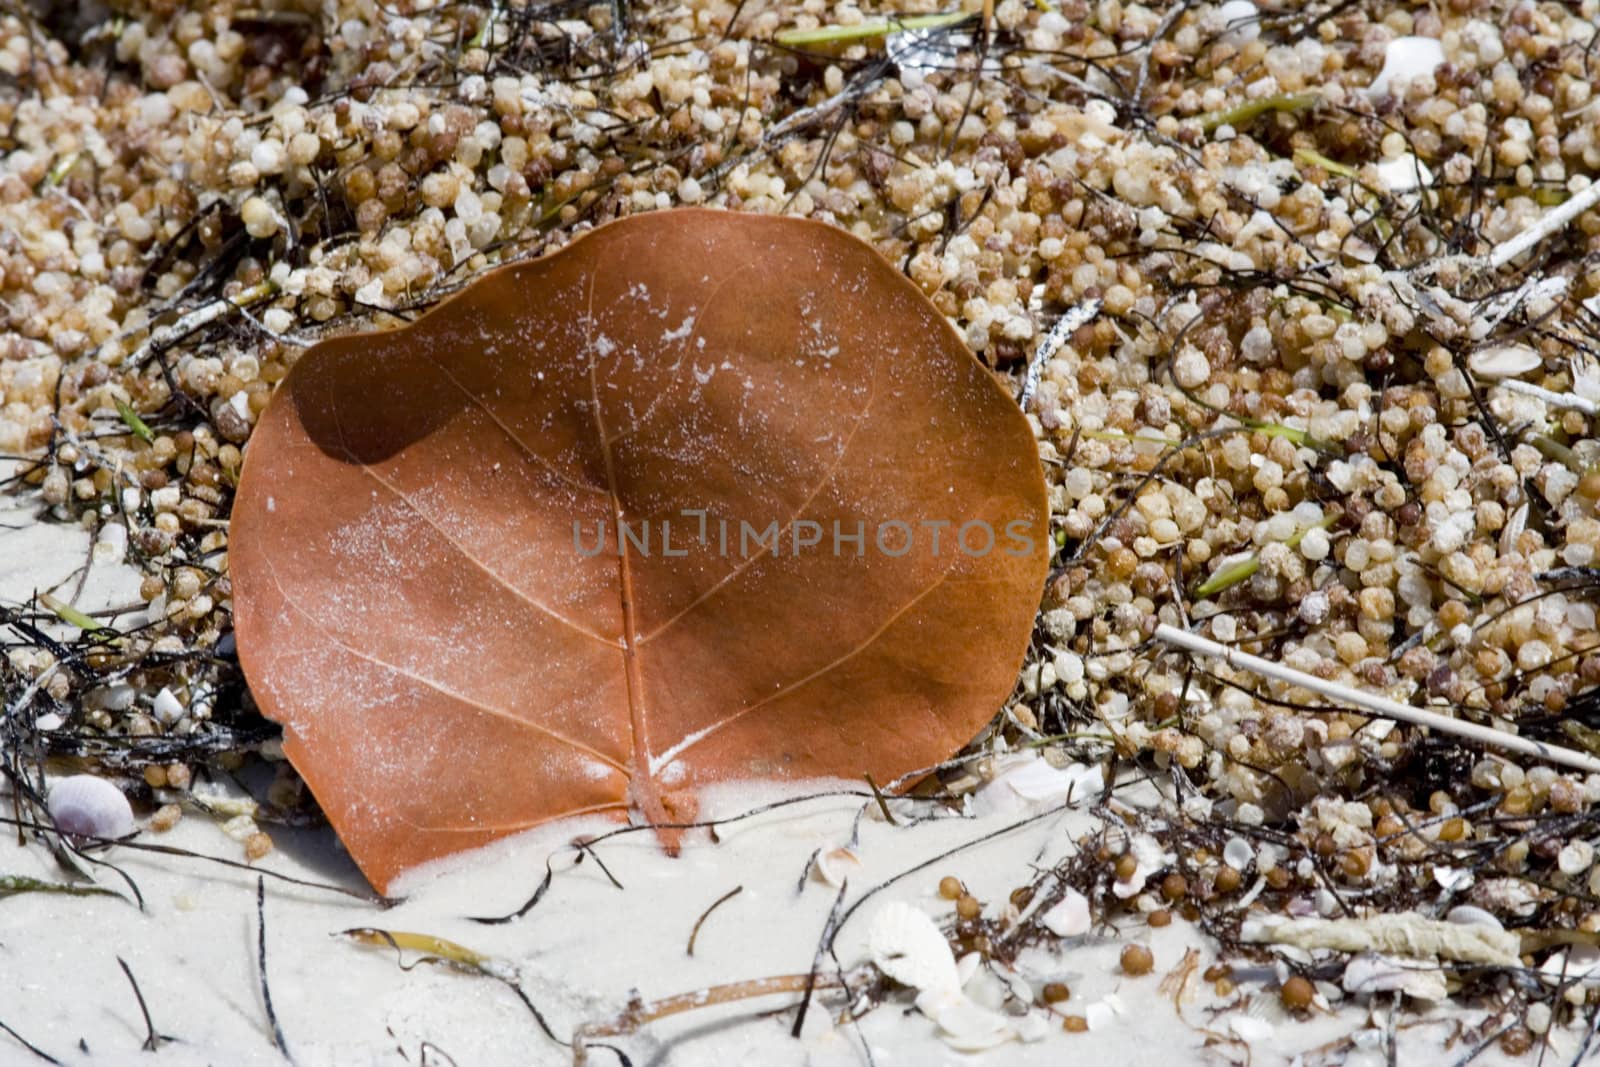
[(1504, 361), (834, 865), (1404, 59), (1381, 705), (1065, 326), (1372, 972), (486, 515), (88, 806), (1027, 782), (1471, 914), (1238, 854), (1147, 857), (1401, 934), (1249, 1028), (904, 943), (12, 884), (1068, 917), (1241, 21), (1404, 173), (1104, 1013)]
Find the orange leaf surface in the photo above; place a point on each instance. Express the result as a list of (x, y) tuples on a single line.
[(431, 595)]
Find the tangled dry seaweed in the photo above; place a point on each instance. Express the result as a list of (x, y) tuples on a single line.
[(1325, 390)]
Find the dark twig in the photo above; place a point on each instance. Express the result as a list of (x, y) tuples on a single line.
[(715, 904), (30, 1046), (261, 965), (152, 1040)]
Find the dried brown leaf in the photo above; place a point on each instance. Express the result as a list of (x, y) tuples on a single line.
[(415, 603)]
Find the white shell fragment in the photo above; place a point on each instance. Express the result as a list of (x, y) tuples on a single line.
[(1372, 973), (1578, 966), (1025, 783), (1103, 1012), (1249, 1028), (1504, 361), (907, 945), (834, 865), (86, 806), (1406, 58), (168, 708), (1069, 917), (1404, 174)]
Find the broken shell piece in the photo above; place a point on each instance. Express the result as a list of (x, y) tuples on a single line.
[(1579, 965), (907, 946), (834, 865), (1150, 857), (1249, 1028), (965, 1025), (1504, 361), (1405, 173), (967, 966), (1372, 973), (1406, 58), (167, 707), (1026, 783), (83, 805), (1103, 1012), (1585, 371), (1241, 21), (1509, 896), (1069, 917)]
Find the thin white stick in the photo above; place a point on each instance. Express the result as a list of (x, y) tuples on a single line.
[(1376, 704), (1556, 220), (1555, 400), (165, 336)]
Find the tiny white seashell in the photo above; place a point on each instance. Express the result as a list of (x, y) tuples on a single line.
[(1504, 361), (1238, 854), (1069, 917), (1472, 915), (86, 806), (1404, 59), (834, 865), (907, 946)]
